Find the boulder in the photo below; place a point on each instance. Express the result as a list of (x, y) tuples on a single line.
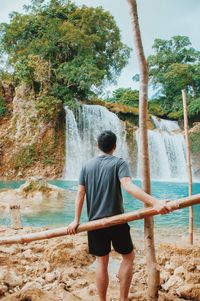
[(173, 282), (190, 292), (32, 294), (180, 271), (10, 278)]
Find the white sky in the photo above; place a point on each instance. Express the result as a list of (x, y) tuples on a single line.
[(158, 19)]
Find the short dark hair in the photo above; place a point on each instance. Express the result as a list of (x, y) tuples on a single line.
[(107, 141)]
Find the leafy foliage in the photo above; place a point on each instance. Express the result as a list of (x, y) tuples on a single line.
[(125, 96), (174, 66), (194, 108), (26, 156), (155, 108), (195, 142), (48, 107), (75, 49)]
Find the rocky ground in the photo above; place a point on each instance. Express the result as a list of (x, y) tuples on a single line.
[(61, 269)]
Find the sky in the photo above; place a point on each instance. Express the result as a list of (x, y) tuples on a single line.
[(158, 19)]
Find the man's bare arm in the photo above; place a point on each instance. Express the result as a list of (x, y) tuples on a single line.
[(71, 229), (138, 193)]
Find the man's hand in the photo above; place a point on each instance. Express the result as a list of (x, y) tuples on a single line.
[(71, 229), (161, 207)]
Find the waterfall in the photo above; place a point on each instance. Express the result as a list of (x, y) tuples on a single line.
[(166, 151), (72, 146), (82, 127), (166, 143)]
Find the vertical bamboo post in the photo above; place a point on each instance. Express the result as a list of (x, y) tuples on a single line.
[(153, 272), (15, 217), (189, 165)]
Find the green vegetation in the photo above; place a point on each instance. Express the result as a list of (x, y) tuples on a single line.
[(67, 53), (125, 96), (30, 154), (63, 51), (26, 156), (194, 108), (48, 107), (195, 142), (3, 108), (174, 66), (36, 185), (155, 108)]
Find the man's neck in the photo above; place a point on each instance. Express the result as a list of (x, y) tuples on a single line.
[(106, 154)]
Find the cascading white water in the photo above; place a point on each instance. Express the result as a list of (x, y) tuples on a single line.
[(166, 151), (82, 131), (73, 146)]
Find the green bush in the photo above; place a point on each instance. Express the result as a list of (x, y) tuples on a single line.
[(3, 108), (48, 107), (176, 115), (26, 156), (125, 96), (195, 142), (194, 108), (155, 108)]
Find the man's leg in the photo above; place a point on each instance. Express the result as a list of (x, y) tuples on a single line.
[(125, 275), (102, 276)]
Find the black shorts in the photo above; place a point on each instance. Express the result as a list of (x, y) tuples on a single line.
[(99, 241)]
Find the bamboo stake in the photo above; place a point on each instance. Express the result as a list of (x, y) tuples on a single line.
[(101, 223), (15, 217), (153, 282), (189, 165)]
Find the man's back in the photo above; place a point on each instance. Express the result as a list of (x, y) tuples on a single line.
[(101, 178)]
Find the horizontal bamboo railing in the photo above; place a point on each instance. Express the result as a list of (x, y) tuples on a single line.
[(101, 223)]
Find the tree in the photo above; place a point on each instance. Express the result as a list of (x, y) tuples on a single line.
[(82, 46), (194, 108), (153, 273), (125, 96), (174, 66)]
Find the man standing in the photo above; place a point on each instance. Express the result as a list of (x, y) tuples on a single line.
[(100, 180)]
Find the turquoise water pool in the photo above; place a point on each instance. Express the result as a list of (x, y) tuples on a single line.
[(55, 214)]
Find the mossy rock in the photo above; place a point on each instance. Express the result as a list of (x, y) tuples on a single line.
[(115, 107)]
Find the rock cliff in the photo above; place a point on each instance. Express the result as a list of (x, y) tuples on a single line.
[(29, 145)]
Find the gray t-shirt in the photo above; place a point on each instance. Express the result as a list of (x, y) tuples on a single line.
[(101, 178)]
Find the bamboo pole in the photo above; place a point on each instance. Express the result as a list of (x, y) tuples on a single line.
[(189, 165), (15, 217), (100, 223), (153, 281)]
